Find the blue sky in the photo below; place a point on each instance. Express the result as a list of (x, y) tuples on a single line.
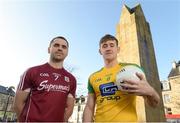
[(27, 26)]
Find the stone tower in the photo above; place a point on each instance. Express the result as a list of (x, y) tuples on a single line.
[(136, 46)]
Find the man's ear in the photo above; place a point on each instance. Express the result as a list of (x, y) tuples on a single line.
[(118, 49), (100, 51), (48, 49)]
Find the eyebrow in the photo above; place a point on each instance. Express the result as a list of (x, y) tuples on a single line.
[(60, 44), (109, 43), (56, 44)]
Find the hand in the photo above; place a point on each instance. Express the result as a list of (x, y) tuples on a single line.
[(142, 88), (138, 87)]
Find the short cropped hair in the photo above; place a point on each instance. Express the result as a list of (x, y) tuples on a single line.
[(108, 37), (59, 37)]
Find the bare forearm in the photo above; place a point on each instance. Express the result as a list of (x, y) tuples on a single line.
[(153, 98), (18, 109), (67, 114), (19, 102), (88, 115)]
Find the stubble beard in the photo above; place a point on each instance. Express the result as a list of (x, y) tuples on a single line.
[(56, 60)]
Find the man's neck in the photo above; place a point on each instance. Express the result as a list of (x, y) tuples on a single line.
[(56, 65), (109, 64)]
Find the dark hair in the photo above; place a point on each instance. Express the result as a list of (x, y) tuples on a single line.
[(108, 37), (60, 37)]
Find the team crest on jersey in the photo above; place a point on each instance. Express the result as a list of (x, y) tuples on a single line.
[(66, 78), (108, 89)]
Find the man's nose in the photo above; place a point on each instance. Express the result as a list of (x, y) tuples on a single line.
[(108, 47), (60, 48)]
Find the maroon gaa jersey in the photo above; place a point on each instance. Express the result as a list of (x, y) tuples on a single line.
[(49, 88)]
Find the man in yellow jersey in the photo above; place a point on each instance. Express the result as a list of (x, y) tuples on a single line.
[(113, 105)]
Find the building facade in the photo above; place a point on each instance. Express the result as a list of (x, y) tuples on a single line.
[(77, 115), (6, 104), (171, 93)]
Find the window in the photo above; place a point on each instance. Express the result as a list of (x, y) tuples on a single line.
[(166, 86), (169, 111), (166, 98)]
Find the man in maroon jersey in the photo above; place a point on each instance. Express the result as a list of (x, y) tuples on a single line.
[(47, 92)]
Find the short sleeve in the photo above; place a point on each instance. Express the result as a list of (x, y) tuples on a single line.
[(25, 81), (90, 88)]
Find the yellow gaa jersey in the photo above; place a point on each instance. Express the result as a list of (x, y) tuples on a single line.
[(112, 105)]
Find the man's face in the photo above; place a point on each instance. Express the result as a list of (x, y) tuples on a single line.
[(109, 50), (58, 50)]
